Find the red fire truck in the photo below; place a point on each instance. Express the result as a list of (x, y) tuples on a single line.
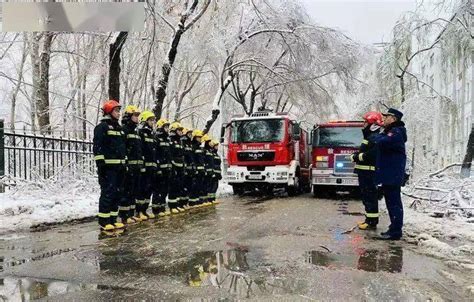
[(332, 168), (265, 151)]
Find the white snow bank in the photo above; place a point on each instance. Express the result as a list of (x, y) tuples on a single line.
[(62, 199), (439, 216), (65, 198)]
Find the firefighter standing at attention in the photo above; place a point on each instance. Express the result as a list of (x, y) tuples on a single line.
[(189, 169), (216, 170), (365, 160), (176, 180), (209, 165), (131, 185), (163, 157), (148, 180), (109, 153), (200, 172)]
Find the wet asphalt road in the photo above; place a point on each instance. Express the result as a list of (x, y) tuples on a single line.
[(264, 249)]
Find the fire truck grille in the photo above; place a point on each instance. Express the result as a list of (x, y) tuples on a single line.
[(343, 164), (256, 156)]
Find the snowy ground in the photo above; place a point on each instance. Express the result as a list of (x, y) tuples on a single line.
[(55, 201), (444, 226)]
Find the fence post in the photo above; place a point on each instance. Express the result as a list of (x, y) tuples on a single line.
[(2, 154)]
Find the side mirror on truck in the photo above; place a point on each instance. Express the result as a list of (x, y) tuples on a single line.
[(296, 132)]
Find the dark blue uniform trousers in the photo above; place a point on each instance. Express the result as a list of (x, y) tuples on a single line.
[(393, 200)]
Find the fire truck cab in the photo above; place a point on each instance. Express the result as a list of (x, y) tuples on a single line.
[(332, 168), (265, 151)]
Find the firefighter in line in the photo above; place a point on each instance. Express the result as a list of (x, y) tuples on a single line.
[(217, 175), (176, 180), (131, 185), (200, 172), (109, 153), (163, 157), (186, 140), (390, 173), (209, 165), (148, 176), (365, 170)]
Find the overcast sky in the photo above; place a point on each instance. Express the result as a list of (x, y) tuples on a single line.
[(369, 21)]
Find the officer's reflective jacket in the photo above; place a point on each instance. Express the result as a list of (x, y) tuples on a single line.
[(177, 152), (149, 146), (366, 156), (163, 153), (109, 142), (133, 142)]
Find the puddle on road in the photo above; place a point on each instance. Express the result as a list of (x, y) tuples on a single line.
[(370, 260)]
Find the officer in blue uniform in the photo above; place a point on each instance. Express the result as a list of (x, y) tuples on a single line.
[(390, 169)]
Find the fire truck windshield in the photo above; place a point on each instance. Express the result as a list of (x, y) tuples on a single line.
[(258, 131), (337, 137)]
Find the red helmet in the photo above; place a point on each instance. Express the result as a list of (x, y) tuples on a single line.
[(109, 106), (373, 117)]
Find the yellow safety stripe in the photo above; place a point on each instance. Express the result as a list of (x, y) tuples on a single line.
[(372, 215), (142, 170), (200, 168), (135, 162), (99, 157), (217, 171), (149, 164), (366, 168), (113, 213), (124, 208), (132, 207), (209, 170), (189, 167), (135, 136), (165, 166), (365, 142), (155, 206), (198, 151), (114, 161), (114, 133), (217, 157), (104, 215), (149, 140), (361, 156), (172, 200), (164, 144), (177, 164)]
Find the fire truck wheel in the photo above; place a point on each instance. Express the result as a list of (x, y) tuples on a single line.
[(238, 190), (296, 189)]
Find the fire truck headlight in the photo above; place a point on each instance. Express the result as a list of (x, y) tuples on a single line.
[(322, 158), (340, 165)]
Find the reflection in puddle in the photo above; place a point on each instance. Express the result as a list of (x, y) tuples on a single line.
[(26, 289), (370, 260)]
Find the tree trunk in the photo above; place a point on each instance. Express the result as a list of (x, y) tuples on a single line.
[(115, 50), (17, 87), (467, 162), (44, 122), (35, 37), (84, 109), (402, 88), (160, 93)]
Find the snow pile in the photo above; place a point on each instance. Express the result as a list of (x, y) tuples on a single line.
[(62, 198), (439, 216), (443, 195)]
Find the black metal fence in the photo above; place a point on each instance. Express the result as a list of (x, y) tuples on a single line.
[(36, 157)]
